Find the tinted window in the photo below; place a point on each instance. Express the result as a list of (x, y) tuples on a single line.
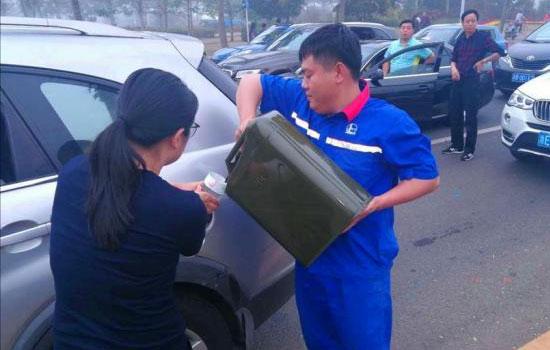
[(65, 113), (269, 35), (291, 40), (85, 110), (437, 34), (21, 158)]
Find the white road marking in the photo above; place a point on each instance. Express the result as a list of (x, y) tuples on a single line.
[(479, 132)]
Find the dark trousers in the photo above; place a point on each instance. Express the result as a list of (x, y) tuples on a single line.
[(463, 105)]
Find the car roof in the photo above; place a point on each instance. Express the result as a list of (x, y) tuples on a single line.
[(459, 26), (92, 48)]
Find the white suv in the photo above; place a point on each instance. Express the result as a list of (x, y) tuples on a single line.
[(526, 120)]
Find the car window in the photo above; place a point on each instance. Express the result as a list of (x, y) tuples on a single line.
[(373, 62), (65, 113), (21, 158), (542, 34), (437, 34), (269, 35), (291, 40), (446, 56), (380, 34), (85, 109), (364, 33)]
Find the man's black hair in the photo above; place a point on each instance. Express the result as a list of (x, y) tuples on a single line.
[(334, 43), (406, 21), (469, 12)]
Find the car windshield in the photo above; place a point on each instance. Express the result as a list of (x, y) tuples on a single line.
[(541, 35), (291, 40), (269, 35), (436, 34)]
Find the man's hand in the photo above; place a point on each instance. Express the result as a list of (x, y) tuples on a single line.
[(373, 206), (455, 74), (479, 66), (405, 191), (249, 95), (240, 130)]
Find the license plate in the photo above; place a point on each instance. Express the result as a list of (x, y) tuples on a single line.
[(521, 77), (543, 140)]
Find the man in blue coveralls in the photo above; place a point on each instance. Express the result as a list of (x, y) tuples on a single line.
[(343, 298)]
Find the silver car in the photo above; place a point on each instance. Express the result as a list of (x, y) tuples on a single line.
[(59, 85)]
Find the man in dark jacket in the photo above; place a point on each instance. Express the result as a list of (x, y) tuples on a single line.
[(472, 50)]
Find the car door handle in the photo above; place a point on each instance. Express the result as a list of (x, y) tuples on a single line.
[(423, 88), (13, 234)]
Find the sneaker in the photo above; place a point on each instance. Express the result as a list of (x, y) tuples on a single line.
[(467, 156), (452, 150)]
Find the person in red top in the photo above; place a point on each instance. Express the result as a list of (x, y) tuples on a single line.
[(547, 17)]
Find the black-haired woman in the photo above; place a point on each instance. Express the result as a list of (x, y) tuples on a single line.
[(118, 228)]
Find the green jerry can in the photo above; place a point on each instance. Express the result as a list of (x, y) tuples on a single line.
[(291, 188)]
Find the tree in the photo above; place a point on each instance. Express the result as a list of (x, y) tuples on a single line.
[(367, 10), (77, 12), (270, 9), (221, 23), (139, 7), (341, 14)]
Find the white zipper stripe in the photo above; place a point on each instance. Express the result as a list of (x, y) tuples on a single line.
[(305, 125), (313, 134), (353, 146)]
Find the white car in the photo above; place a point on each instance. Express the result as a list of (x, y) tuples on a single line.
[(526, 120)]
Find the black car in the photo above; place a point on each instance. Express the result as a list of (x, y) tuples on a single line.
[(282, 55), (423, 90), (449, 33), (525, 60)]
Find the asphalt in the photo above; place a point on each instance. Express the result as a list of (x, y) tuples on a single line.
[(472, 272)]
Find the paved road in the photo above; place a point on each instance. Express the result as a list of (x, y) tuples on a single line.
[(472, 272)]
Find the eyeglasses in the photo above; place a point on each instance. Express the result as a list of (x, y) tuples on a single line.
[(193, 129)]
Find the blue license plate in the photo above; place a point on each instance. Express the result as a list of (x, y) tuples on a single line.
[(521, 77), (543, 140)]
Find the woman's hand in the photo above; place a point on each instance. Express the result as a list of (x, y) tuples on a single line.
[(191, 186), (210, 202)]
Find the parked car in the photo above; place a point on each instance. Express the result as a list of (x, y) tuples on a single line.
[(259, 43), (282, 56), (422, 90), (526, 120), (525, 60), (59, 85), (449, 33)]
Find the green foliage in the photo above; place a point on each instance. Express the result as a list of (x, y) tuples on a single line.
[(271, 9), (369, 10)]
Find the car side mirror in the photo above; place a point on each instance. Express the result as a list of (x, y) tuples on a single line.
[(375, 75)]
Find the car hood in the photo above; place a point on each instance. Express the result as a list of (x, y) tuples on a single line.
[(267, 61), (521, 50), (537, 88)]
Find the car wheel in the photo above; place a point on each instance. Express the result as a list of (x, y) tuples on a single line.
[(524, 157), (45, 342), (206, 327)]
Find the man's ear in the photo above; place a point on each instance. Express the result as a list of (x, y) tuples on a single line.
[(341, 72)]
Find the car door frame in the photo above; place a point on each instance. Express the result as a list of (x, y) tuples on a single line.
[(54, 74), (415, 93)]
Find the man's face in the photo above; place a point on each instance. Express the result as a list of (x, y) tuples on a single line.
[(406, 31), (470, 23), (319, 82)]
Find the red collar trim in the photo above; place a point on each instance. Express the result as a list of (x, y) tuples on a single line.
[(352, 110)]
